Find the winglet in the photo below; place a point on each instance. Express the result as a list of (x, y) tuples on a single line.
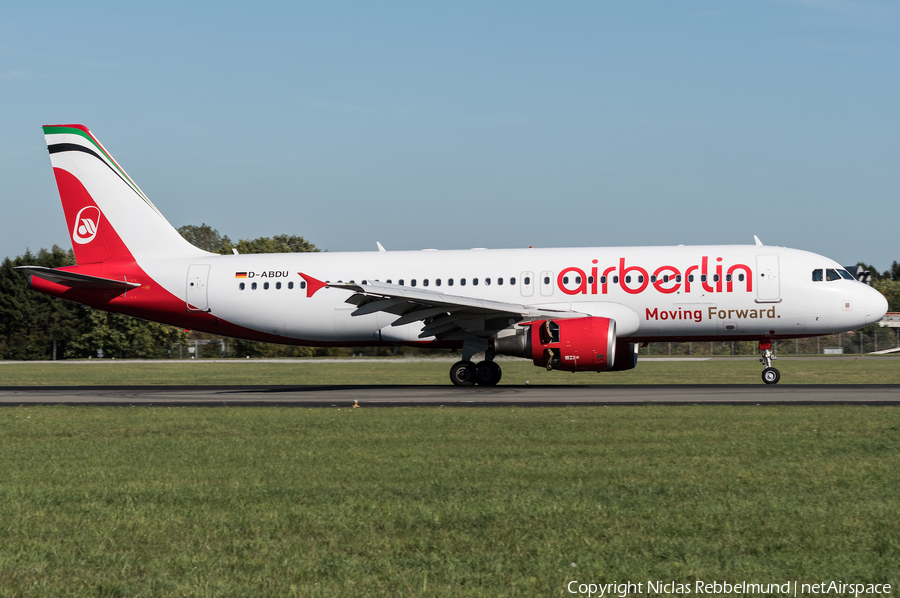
[(312, 284), (758, 242)]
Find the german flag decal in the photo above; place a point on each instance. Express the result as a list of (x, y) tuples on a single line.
[(240, 275)]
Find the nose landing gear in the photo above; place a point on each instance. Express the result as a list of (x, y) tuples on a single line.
[(769, 374)]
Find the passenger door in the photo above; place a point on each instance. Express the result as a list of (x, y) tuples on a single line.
[(768, 289)]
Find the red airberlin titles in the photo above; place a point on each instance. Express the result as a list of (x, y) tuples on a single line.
[(665, 279)]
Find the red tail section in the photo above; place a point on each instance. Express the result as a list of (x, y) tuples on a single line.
[(93, 237)]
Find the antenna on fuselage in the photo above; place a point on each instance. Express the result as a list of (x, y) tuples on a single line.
[(758, 242), (380, 246)]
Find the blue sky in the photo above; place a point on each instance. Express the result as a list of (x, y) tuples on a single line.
[(456, 125)]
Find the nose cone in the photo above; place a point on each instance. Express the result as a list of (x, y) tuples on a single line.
[(876, 305)]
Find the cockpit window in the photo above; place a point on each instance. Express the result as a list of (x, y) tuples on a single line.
[(846, 275), (831, 274), (817, 276)]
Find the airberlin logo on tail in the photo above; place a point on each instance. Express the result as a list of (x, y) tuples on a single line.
[(86, 223)]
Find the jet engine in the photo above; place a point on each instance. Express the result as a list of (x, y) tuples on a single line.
[(572, 345), (626, 356)]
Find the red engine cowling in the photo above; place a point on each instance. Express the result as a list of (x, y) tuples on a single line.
[(576, 345)]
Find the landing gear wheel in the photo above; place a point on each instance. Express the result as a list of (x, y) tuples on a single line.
[(487, 373), (771, 376), (463, 373)]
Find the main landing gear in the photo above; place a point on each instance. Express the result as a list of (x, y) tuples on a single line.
[(467, 373), (769, 374), (484, 373)]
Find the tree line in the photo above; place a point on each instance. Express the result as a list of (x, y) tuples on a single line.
[(36, 326)]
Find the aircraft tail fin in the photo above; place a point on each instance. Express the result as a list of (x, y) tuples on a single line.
[(107, 215)]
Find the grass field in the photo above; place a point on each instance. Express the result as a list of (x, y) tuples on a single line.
[(442, 502), (865, 370)]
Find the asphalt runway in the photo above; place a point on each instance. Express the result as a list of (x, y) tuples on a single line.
[(405, 396)]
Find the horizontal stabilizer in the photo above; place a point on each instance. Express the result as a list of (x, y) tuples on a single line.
[(75, 280)]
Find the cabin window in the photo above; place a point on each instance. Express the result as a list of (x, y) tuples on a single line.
[(565, 280), (512, 280), (487, 282), (546, 280), (400, 282), (703, 278), (252, 286), (475, 282), (615, 280), (527, 280), (678, 278), (462, 282), (265, 286), (715, 278), (831, 274), (437, 282), (500, 280), (577, 280), (602, 280), (741, 277), (590, 280), (412, 282), (449, 282), (728, 278), (665, 278), (628, 278), (690, 278), (388, 281), (291, 285), (242, 286), (653, 278), (425, 283), (303, 284), (277, 285), (641, 279)]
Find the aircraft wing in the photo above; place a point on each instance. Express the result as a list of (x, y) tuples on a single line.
[(76, 280), (445, 316)]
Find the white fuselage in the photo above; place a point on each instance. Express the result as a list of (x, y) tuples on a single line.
[(770, 291)]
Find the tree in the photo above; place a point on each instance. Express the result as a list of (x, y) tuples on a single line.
[(123, 337), (205, 237), (891, 290), (276, 244), (33, 326)]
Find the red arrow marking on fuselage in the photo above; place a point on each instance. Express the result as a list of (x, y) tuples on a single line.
[(312, 284)]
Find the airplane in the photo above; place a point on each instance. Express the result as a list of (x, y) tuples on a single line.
[(567, 309)]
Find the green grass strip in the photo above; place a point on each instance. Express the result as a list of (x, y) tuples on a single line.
[(442, 502)]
